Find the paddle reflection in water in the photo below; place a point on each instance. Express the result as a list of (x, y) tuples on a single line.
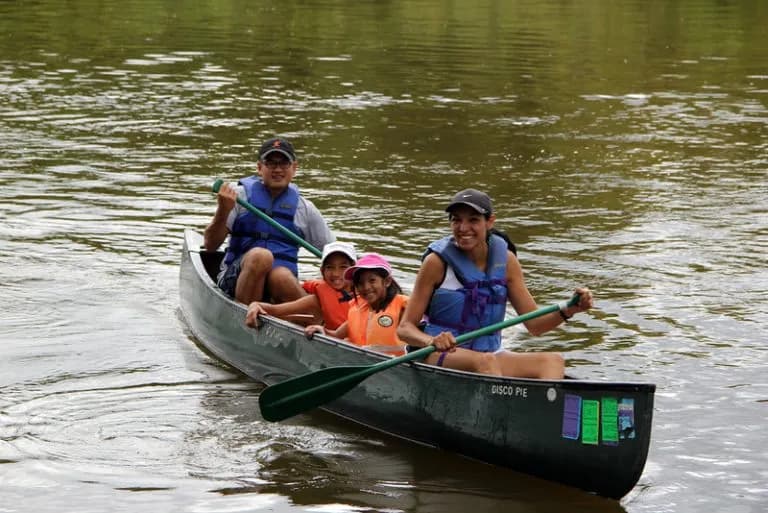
[(319, 460)]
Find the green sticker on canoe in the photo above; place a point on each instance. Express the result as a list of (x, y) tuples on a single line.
[(610, 421), (590, 421)]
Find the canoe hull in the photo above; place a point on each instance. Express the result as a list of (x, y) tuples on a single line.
[(544, 428)]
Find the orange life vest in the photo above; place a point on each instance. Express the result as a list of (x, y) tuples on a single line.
[(333, 303), (377, 330)]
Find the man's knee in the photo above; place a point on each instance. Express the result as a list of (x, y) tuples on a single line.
[(257, 259), (283, 273), (284, 285)]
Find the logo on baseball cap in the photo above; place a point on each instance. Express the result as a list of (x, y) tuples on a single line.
[(472, 198), (277, 145)]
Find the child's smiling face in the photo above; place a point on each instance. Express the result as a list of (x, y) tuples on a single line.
[(371, 286), (333, 270)]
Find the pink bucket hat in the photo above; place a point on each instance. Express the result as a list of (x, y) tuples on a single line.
[(368, 261)]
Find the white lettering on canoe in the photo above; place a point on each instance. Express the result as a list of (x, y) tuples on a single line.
[(511, 390)]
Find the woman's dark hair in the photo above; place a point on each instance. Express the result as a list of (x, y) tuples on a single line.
[(510, 244), (487, 215), (392, 290)]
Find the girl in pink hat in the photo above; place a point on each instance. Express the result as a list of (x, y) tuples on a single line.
[(373, 319)]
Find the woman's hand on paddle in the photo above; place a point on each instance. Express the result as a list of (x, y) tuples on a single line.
[(586, 301), (443, 342), (252, 316)]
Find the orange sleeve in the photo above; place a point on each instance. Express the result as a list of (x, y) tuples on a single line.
[(310, 286)]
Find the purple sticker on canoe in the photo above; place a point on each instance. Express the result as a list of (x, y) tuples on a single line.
[(571, 416)]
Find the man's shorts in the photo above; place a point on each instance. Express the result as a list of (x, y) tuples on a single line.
[(228, 279)]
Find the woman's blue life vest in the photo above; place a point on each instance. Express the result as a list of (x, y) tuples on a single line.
[(480, 302), (251, 231)]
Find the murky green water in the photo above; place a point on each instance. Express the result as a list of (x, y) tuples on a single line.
[(624, 145)]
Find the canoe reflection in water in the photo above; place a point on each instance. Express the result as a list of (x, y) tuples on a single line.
[(324, 460)]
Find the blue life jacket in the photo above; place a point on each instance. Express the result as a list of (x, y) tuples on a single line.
[(480, 302), (251, 231)]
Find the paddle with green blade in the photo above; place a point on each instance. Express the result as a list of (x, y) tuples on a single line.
[(288, 233), (296, 395)]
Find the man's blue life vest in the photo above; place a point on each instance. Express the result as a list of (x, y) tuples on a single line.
[(480, 302), (251, 231)]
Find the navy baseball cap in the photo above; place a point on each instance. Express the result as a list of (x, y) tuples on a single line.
[(277, 145)]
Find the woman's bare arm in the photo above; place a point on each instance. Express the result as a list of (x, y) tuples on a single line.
[(429, 277)]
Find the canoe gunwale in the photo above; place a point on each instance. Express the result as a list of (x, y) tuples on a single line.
[(373, 355)]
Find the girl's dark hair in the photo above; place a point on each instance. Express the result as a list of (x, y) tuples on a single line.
[(392, 290)]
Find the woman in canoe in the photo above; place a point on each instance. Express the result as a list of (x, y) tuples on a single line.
[(373, 318), (327, 299), (464, 283)]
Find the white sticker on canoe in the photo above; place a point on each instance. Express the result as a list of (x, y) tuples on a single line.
[(509, 390), (551, 394)]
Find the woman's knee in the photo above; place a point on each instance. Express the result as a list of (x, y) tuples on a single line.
[(554, 359), (553, 366)]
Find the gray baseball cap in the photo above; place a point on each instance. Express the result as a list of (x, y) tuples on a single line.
[(472, 198)]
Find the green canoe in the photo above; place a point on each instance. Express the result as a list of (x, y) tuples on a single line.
[(593, 435)]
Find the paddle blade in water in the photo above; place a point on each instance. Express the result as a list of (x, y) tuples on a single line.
[(297, 395)]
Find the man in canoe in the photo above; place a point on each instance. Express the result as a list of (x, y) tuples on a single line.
[(464, 283), (261, 261)]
